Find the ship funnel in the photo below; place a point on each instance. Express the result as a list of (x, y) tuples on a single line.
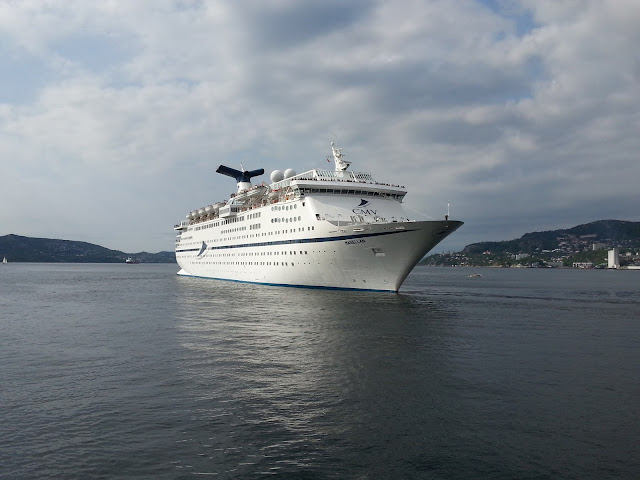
[(242, 177)]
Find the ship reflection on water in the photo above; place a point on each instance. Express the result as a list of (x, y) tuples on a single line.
[(301, 358)]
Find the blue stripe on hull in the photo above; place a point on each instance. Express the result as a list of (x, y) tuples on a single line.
[(318, 287), (300, 240)]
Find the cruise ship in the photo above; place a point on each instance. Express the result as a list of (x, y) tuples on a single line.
[(335, 229)]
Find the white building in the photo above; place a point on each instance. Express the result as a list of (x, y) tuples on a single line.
[(613, 258), (582, 264)]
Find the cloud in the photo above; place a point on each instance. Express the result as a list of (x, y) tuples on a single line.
[(522, 115)]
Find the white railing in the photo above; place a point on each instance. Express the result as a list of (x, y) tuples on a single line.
[(327, 175)]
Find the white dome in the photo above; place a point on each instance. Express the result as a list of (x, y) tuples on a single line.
[(289, 172), (277, 176)]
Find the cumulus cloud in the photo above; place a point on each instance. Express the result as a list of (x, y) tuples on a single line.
[(114, 115)]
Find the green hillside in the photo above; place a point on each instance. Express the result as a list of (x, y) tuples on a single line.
[(17, 248), (564, 246)]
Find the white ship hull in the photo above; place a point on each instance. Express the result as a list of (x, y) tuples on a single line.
[(378, 259), (320, 229)]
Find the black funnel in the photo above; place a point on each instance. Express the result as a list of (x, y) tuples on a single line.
[(238, 175)]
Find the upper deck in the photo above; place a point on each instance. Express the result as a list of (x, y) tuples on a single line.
[(313, 182), (365, 180)]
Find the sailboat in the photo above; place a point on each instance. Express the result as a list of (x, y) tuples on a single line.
[(4, 259)]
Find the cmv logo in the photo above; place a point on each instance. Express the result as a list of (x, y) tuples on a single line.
[(203, 248), (360, 210)]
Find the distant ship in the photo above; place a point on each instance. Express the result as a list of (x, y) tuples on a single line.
[(4, 260), (320, 229), (131, 260)]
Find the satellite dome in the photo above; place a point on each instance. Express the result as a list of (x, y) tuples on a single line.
[(277, 176), (289, 172)]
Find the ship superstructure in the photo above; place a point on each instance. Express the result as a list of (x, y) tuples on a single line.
[(321, 228)]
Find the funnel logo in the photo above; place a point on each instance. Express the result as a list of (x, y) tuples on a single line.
[(361, 210)]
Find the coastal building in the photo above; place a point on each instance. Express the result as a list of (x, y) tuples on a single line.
[(598, 246), (582, 264), (613, 258)]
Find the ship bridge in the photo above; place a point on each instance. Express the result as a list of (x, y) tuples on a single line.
[(335, 182)]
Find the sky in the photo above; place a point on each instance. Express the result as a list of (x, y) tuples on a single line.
[(114, 115)]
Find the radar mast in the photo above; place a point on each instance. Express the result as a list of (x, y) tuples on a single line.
[(338, 158)]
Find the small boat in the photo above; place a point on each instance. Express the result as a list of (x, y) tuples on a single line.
[(4, 260), (475, 275), (131, 261)]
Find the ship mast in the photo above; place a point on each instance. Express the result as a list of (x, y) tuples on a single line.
[(338, 158)]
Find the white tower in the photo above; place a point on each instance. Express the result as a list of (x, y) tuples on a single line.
[(613, 258)]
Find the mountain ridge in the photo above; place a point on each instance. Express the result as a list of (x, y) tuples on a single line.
[(584, 243), (18, 248), (599, 231)]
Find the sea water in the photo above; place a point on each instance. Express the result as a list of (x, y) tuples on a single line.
[(129, 371)]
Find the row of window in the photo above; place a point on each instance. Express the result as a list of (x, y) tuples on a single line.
[(286, 219), (277, 208), (239, 237), (264, 234), (283, 264), (237, 229), (361, 193), (259, 254), (227, 221)]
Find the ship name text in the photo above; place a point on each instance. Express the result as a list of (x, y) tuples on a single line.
[(364, 211)]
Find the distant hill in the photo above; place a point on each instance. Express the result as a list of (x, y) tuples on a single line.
[(611, 232), (582, 243), (17, 248)]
